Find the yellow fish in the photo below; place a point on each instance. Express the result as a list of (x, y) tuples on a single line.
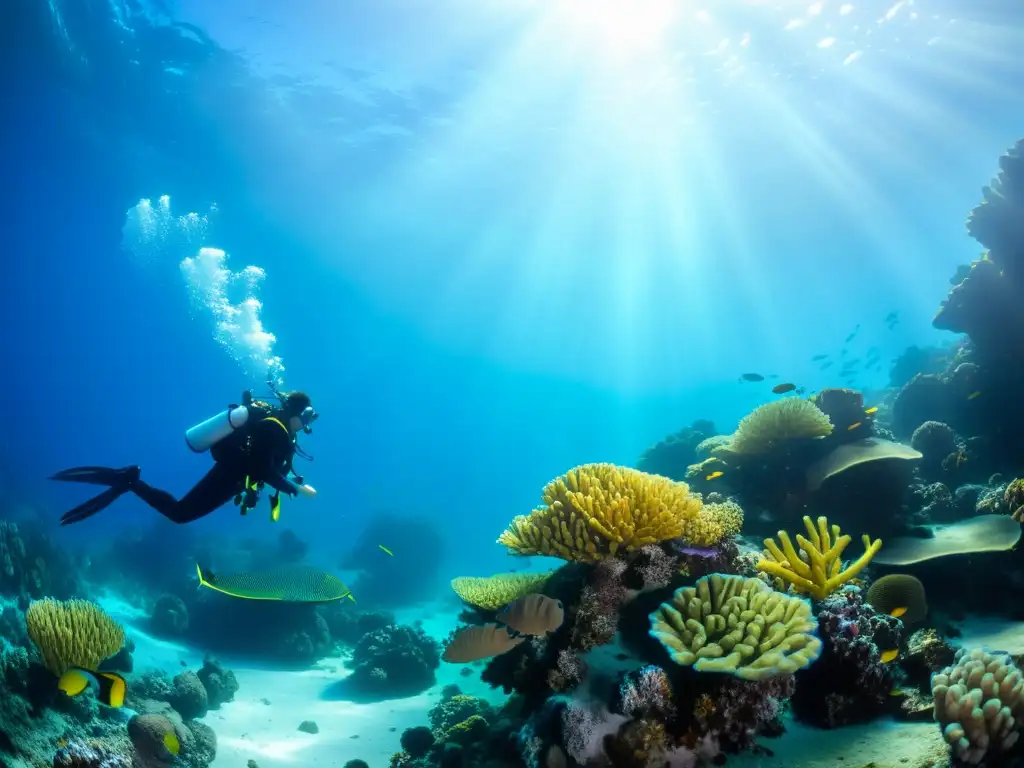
[(385, 550), (888, 656), (714, 475), (871, 410), (110, 687), (974, 395), (170, 740), (853, 426), (897, 692), (897, 612)]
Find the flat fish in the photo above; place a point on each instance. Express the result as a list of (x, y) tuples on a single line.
[(479, 642), (533, 614)]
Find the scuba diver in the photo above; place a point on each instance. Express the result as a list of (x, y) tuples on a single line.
[(252, 445)]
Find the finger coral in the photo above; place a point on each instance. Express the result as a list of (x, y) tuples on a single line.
[(979, 704), (75, 633), (817, 570), (738, 626), (768, 425), (492, 592), (598, 510)]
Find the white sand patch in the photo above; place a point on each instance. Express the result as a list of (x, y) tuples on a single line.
[(992, 634), (882, 743)]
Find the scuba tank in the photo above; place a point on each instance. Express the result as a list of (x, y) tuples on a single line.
[(206, 434)]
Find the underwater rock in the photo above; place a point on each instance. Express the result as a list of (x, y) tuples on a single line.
[(348, 624), (926, 397), (188, 696), (356, 764), (220, 683), (169, 616), (935, 440), (396, 660), (927, 653), (78, 754), (203, 749), (32, 566), (290, 548), (147, 733), (308, 726), (672, 456), (935, 504), (417, 741)]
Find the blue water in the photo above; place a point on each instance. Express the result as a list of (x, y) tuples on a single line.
[(498, 240)]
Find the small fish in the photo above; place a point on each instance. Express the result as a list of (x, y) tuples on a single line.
[(871, 411), (888, 656), (974, 395), (781, 389), (385, 550), (816, 358), (825, 366), (895, 692), (853, 426), (171, 743), (751, 377), (897, 612), (802, 391), (110, 688), (715, 475)]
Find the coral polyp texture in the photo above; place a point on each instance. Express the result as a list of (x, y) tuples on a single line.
[(492, 592), (595, 511), (817, 569), (738, 626), (979, 704), (767, 426), (75, 633)]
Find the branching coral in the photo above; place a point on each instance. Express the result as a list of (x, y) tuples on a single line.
[(817, 570), (979, 704), (597, 510), (76, 633), (492, 592), (738, 626), (768, 425)]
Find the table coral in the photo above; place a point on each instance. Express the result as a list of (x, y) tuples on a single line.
[(595, 511), (493, 592), (817, 570), (738, 626)]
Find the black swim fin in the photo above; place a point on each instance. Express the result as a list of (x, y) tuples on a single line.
[(119, 480), (98, 475)]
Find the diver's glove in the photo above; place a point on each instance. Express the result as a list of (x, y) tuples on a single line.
[(307, 490)]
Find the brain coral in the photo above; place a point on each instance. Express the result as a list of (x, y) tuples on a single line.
[(768, 425), (739, 626)]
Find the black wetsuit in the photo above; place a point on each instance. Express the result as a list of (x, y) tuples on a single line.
[(262, 451)]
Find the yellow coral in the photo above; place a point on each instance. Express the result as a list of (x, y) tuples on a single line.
[(738, 626), (818, 569), (75, 633), (597, 510), (493, 592), (791, 418), (728, 515)]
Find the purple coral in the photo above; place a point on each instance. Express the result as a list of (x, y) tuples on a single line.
[(645, 691), (849, 683)]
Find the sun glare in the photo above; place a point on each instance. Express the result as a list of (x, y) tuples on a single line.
[(620, 26)]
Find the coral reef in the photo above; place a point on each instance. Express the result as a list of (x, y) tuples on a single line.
[(395, 661), (596, 510), (817, 570), (979, 704), (169, 616), (219, 682), (850, 682), (739, 626)]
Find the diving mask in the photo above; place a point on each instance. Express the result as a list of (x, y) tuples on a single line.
[(307, 417)]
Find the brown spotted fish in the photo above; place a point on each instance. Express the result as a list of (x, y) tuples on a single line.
[(533, 614), (474, 643)]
